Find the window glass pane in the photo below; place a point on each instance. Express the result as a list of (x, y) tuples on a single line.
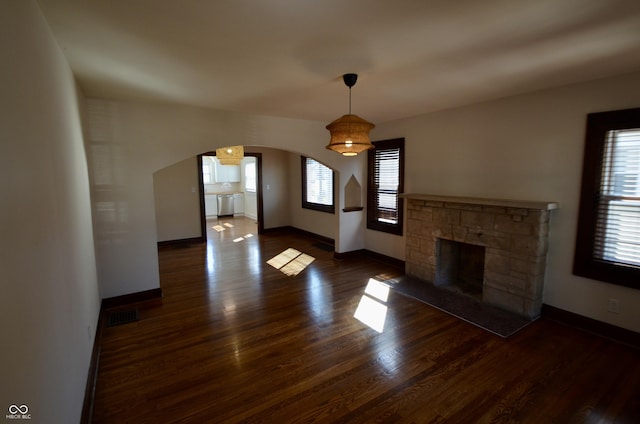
[(317, 186), (387, 179), (206, 173), (617, 235), (319, 183), (250, 176)]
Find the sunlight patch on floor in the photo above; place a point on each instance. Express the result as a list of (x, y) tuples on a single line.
[(291, 262), (239, 239), (377, 289), (372, 309), (297, 265), (372, 313)]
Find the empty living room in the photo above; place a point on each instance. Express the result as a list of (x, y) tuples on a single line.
[(354, 212)]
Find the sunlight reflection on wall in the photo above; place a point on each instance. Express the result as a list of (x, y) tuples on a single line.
[(106, 159)]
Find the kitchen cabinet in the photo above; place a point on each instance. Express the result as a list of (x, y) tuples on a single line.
[(211, 205), (226, 173), (238, 204)]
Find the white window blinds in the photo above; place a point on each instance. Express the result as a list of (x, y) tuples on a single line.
[(319, 183), (387, 180), (617, 232)]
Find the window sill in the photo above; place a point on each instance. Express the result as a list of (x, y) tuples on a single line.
[(353, 209)]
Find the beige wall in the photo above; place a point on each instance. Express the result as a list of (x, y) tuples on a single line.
[(526, 147), (49, 299), (177, 201), (276, 186), (316, 222)]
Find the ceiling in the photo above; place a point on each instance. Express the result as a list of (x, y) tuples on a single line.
[(286, 57)]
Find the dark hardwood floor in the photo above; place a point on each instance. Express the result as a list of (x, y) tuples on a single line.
[(236, 340)]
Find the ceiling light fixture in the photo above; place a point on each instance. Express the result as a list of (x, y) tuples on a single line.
[(350, 133), (231, 155)]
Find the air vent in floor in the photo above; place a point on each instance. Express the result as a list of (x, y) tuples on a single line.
[(122, 317)]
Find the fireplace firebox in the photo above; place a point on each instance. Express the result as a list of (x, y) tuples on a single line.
[(460, 267)]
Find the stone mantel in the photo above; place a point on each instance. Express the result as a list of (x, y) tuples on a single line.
[(508, 203)]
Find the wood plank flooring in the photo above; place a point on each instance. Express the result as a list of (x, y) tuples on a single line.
[(236, 340)]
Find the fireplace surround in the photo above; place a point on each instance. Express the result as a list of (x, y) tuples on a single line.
[(513, 235)]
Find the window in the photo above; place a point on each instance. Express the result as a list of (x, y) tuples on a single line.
[(317, 186), (207, 170), (385, 183), (250, 176), (608, 240)]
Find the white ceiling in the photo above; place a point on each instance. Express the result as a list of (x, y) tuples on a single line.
[(286, 57)]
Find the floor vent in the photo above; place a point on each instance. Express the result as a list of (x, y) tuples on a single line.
[(122, 317)]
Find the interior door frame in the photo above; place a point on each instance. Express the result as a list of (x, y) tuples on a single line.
[(259, 206)]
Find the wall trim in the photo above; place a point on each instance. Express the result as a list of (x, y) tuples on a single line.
[(148, 297), (180, 242), (398, 263), (92, 376), (288, 228), (590, 325)]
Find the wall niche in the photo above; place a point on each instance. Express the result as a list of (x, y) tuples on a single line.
[(352, 195)]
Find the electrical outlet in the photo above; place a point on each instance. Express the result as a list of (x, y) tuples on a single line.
[(89, 335), (613, 306)]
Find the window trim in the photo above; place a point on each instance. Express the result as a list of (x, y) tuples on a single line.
[(584, 264), (317, 206), (372, 222)]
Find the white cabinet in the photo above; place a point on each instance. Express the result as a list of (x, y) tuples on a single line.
[(214, 172), (211, 205), (238, 204), (227, 173)]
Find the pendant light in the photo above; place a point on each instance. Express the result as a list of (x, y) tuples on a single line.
[(230, 155), (350, 133)]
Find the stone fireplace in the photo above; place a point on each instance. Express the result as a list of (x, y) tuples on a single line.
[(492, 249)]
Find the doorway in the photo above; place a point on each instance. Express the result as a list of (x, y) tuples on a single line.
[(244, 182)]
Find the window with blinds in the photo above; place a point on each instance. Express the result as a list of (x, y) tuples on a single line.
[(385, 183), (317, 186), (617, 233), (608, 242)]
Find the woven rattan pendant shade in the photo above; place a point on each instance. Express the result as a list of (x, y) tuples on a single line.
[(350, 133), (231, 155)]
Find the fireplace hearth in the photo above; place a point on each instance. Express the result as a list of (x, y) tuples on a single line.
[(492, 249)]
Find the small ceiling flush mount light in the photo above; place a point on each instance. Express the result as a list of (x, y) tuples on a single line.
[(230, 155), (350, 133)]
